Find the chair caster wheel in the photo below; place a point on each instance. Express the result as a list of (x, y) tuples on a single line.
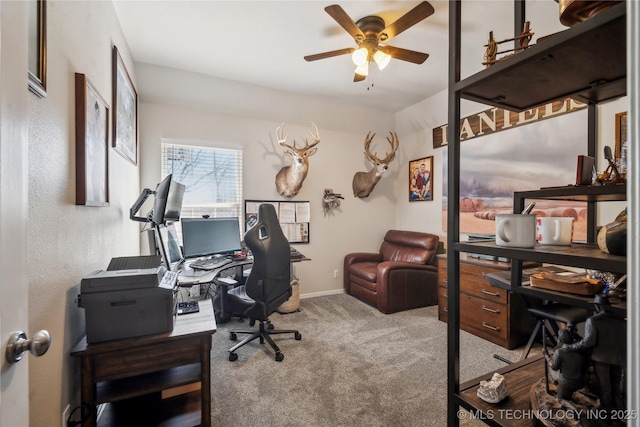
[(279, 357), (233, 337), (233, 357), (270, 326), (298, 336)]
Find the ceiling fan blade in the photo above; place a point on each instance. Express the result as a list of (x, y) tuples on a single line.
[(411, 18), (330, 54), (345, 21), (405, 54), (358, 77)]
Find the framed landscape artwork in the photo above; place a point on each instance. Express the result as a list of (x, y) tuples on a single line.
[(125, 111), (421, 179), (493, 167), (92, 145)]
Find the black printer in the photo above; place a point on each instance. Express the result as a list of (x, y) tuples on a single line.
[(128, 303)]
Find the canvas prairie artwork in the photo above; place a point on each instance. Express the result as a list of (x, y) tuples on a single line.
[(492, 168)]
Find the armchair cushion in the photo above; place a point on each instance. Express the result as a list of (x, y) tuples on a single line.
[(401, 276)]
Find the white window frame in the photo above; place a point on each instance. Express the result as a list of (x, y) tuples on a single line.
[(214, 209)]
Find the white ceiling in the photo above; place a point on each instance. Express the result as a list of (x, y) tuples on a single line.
[(264, 42)]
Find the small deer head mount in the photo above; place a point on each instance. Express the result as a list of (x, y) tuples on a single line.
[(289, 179), (364, 182)]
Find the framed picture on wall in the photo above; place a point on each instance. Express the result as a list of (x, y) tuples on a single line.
[(92, 145), (421, 179), (125, 111), (38, 47), (621, 132)]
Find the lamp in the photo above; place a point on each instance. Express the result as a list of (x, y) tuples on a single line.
[(382, 59), (360, 56), (363, 69)]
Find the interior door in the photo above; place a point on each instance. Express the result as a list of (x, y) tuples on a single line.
[(14, 377)]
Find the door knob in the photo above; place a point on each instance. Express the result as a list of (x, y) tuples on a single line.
[(18, 344)]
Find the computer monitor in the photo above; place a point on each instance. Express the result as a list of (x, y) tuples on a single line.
[(210, 236), (168, 201), (168, 246)]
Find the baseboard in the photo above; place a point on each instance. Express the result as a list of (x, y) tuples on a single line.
[(321, 294)]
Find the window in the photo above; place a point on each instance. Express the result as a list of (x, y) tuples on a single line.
[(212, 177)]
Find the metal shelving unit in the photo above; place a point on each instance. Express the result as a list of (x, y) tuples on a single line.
[(586, 62)]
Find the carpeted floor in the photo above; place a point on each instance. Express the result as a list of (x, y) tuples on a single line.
[(353, 367)]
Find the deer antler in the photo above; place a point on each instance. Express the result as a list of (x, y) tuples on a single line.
[(367, 143), (393, 141), (314, 134), (283, 139)]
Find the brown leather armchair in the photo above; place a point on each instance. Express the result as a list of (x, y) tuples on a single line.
[(401, 276)]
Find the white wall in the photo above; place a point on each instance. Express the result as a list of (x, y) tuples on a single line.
[(358, 225), (415, 124), (65, 241)]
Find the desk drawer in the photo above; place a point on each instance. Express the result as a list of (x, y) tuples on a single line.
[(474, 283), (155, 357), (442, 304), (442, 273), (484, 318)]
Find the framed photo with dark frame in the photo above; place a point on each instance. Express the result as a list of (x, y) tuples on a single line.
[(125, 111), (621, 132), (421, 179), (92, 145), (38, 47)]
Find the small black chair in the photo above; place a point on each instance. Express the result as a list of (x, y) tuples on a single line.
[(555, 312), (268, 284)]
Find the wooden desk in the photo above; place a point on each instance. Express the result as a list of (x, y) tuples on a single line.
[(494, 314), (122, 369)]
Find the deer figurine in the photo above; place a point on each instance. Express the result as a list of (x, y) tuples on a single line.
[(289, 179), (364, 182)]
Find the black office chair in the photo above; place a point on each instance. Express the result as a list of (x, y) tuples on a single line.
[(268, 284)]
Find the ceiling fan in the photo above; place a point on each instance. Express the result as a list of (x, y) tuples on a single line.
[(371, 35)]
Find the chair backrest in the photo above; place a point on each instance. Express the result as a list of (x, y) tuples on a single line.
[(409, 246), (269, 282)]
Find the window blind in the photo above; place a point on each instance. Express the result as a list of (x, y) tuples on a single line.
[(212, 177)]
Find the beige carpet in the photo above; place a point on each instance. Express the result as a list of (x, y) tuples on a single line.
[(353, 367)]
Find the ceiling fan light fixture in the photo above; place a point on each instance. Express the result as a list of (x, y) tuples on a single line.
[(363, 69), (382, 59), (360, 56)]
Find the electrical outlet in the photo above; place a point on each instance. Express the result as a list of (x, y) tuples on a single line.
[(65, 415), (335, 274)]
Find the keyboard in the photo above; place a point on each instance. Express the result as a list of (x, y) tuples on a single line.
[(188, 307), (210, 263)]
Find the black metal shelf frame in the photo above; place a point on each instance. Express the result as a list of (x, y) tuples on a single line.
[(502, 85)]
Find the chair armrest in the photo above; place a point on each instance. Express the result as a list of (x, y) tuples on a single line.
[(403, 285), (356, 257), (362, 257), (384, 268)]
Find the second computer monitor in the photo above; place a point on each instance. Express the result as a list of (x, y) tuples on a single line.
[(210, 236)]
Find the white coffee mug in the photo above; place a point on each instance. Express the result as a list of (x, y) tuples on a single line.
[(554, 230), (516, 230)]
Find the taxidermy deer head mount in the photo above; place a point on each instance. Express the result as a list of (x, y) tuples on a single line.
[(289, 179), (364, 182)]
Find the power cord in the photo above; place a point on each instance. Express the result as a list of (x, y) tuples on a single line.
[(73, 423)]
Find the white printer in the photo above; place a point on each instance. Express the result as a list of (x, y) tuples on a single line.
[(128, 303)]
